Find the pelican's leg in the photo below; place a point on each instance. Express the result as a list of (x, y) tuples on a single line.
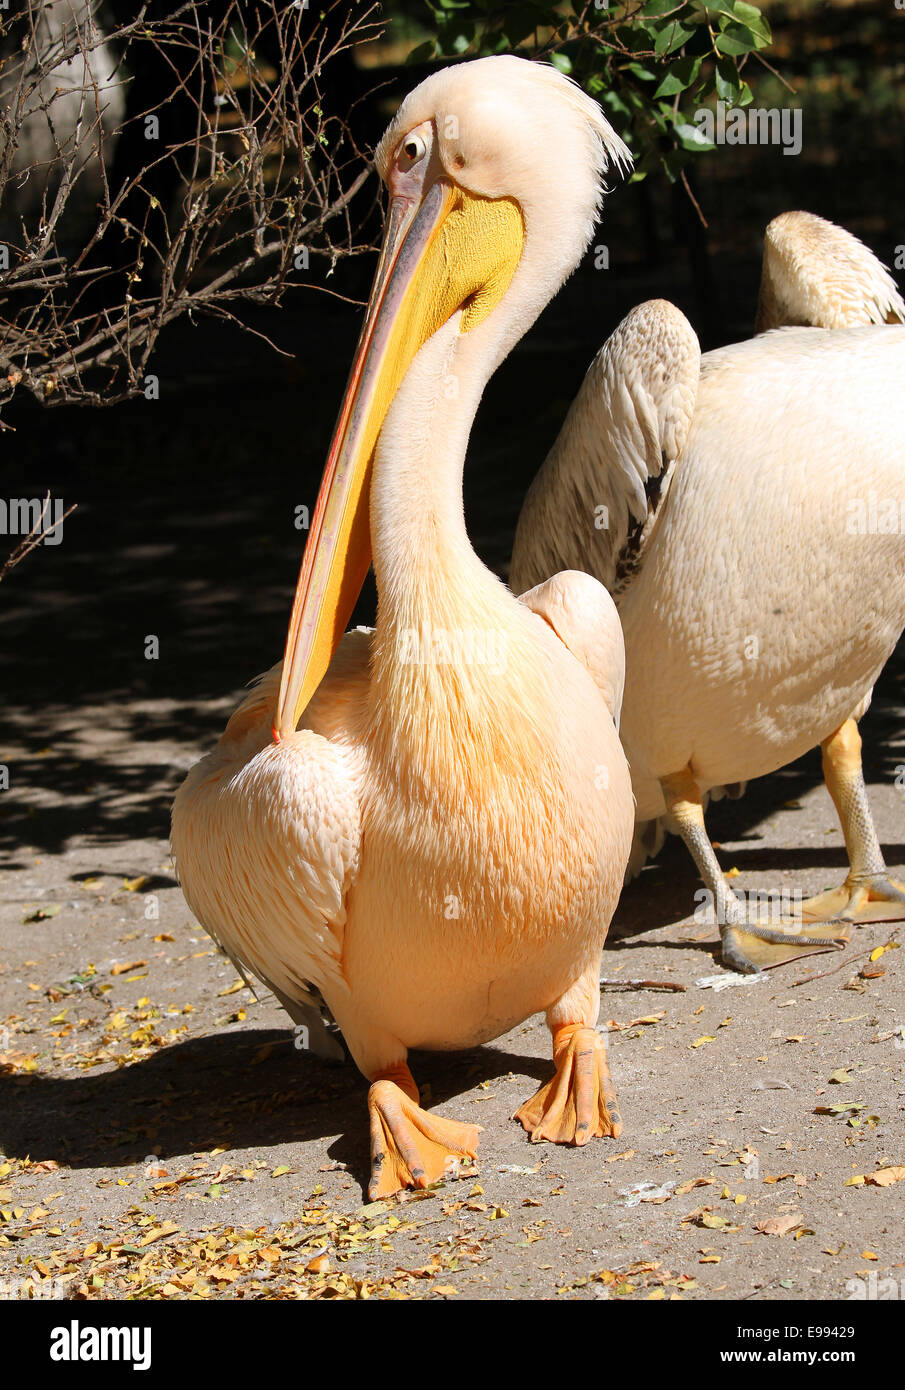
[(746, 946), (409, 1146), (868, 894), (579, 1103)]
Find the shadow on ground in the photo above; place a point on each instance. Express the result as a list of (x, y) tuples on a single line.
[(176, 1102)]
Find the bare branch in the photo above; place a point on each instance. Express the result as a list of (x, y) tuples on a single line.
[(126, 203), (34, 538)]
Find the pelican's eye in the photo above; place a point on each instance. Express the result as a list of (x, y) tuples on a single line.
[(413, 149)]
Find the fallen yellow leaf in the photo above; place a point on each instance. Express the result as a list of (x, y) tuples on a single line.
[(885, 1177), (779, 1225), (158, 1233), (131, 965)]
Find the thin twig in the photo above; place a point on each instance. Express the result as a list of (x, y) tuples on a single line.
[(34, 538), (806, 980), (645, 984)]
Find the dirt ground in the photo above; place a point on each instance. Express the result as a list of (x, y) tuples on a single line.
[(163, 1137)]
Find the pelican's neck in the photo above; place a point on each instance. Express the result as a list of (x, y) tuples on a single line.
[(424, 564), (460, 692), (456, 698)]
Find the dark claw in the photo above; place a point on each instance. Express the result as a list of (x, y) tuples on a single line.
[(733, 957)]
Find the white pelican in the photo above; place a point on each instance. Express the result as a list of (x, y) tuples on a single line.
[(758, 602), (434, 833)]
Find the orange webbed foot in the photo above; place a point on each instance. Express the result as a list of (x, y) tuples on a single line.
[(877, 898), (579, 1103), (409, 1146)]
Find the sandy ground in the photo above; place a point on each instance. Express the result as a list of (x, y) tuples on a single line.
[(164, 1137)]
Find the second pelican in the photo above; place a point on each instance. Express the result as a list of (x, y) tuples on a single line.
[(758, 598)]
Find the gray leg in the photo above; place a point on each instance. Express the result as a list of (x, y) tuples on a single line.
[(747, 947)]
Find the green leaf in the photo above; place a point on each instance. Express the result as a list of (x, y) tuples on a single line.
[(712, 1222), (747, 15), (639, 70), (663, 118), (562, 61), (672, 36), (736, 41), (691, 137), (672, 162), (43, 913), (680, 75), (728, 82)]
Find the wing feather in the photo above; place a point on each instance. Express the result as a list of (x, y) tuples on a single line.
[(593, 504), (267, 840), (584, 618), (818, 275)]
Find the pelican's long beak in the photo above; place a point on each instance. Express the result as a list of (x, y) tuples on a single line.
[(422, 278)]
